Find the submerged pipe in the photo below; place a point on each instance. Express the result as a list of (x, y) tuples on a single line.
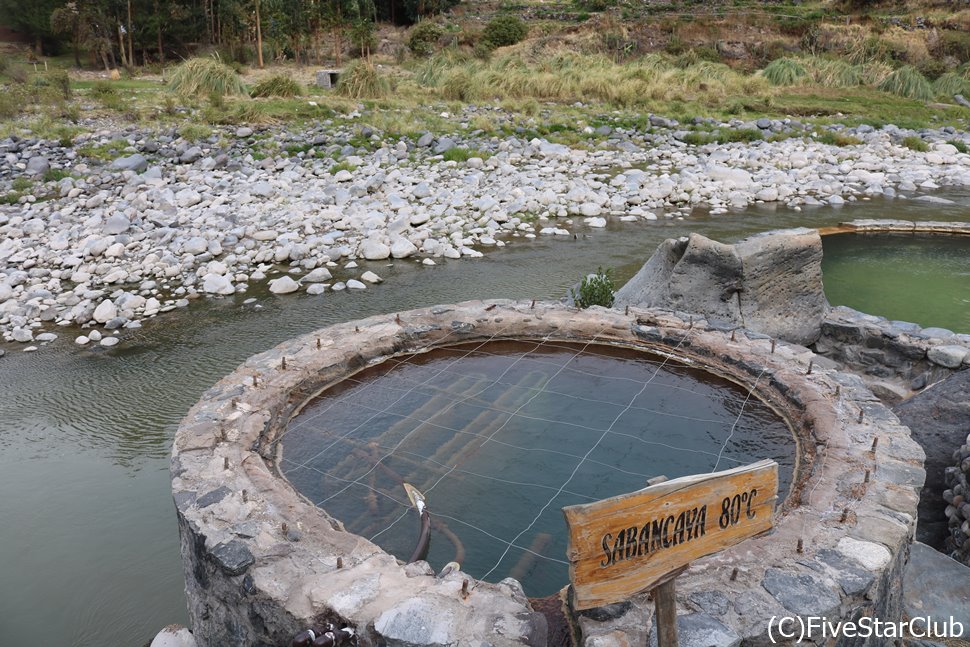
[(424, 536)]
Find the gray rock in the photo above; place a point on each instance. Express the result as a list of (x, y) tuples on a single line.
[(283, 285), (136, 162), (950, 356), (244, 132), (714, 603), (417, 622), (801, 593), (191, 155), (425, 140), (767, 283), (217, 284), (701, 630), (38, 165), (233, 557), (105, 311), (374, 250), (938, 419), (109, 341), (196, 245), (174, 636), (444, 144), (116, 224), (935, 585), (763, 123)]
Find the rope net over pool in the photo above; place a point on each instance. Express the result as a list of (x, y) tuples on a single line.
[(500, 435)]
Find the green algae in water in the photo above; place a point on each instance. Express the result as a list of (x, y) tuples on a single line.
[(496, 436), (920, 278)]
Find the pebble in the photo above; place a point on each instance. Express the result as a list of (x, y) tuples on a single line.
[(107, 342), (370, 277)]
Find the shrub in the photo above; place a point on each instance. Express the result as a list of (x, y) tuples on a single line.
[(202, 77), (502, 31), (194, 132), (785, 71), (915, 143), (908, 82), (103, 89), (277, 86), (9, 105), (361, 80), (424, 37), (595, 290), (62, 82), (956, 43)]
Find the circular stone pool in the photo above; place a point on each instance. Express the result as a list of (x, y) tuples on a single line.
[(263, 561), (918, 277), (501, 435)]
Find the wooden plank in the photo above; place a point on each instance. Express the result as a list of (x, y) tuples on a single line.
[(626, 544), (665, 604)]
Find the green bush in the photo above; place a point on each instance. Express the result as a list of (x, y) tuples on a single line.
[(203, 77), (424, 37), (277, 86), (956, 43), (595, 290), (915, 143), (502, 31), (951, 83), (458, 154)]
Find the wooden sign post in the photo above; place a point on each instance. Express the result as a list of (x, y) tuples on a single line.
[(641, 541)]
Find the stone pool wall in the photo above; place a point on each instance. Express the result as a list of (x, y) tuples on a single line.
[(896, 358), (261, 562)]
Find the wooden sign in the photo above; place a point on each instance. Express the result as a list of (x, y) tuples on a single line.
[(633, 542)]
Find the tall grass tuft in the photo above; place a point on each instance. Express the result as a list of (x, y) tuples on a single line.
[(785, 71), (908, 82), (833, 73), (361, 80), (277, 86), (951, 83), (204, 77)]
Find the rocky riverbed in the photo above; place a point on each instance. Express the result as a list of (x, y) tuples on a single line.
[(162, 220)]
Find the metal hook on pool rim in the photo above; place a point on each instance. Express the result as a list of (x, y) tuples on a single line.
[(424, 536)]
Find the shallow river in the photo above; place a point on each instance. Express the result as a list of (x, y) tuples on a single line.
[(88, 539)]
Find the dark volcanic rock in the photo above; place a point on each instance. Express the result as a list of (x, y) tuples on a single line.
[(939, 418)]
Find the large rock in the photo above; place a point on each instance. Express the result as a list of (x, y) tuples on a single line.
[(935, 585), (283, 285), (105, 311), (769, 283), (939, 419), (374, 250)]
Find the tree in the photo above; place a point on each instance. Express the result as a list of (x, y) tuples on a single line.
[(32, 18), (87, 24)]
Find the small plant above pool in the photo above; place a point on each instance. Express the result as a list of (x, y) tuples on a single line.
[(595, 290)]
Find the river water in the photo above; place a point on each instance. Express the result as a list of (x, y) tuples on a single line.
[(88, 539)]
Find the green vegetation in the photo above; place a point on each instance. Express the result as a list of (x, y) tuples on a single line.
[(459, 154), (504, 30), (342, 166), (277, 86), (424, 37), (204, 77), (957, 144), (361, 80), (595, 290), (195, 132), (908, 82), (785, 71), (837, 139), (916, 144)]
